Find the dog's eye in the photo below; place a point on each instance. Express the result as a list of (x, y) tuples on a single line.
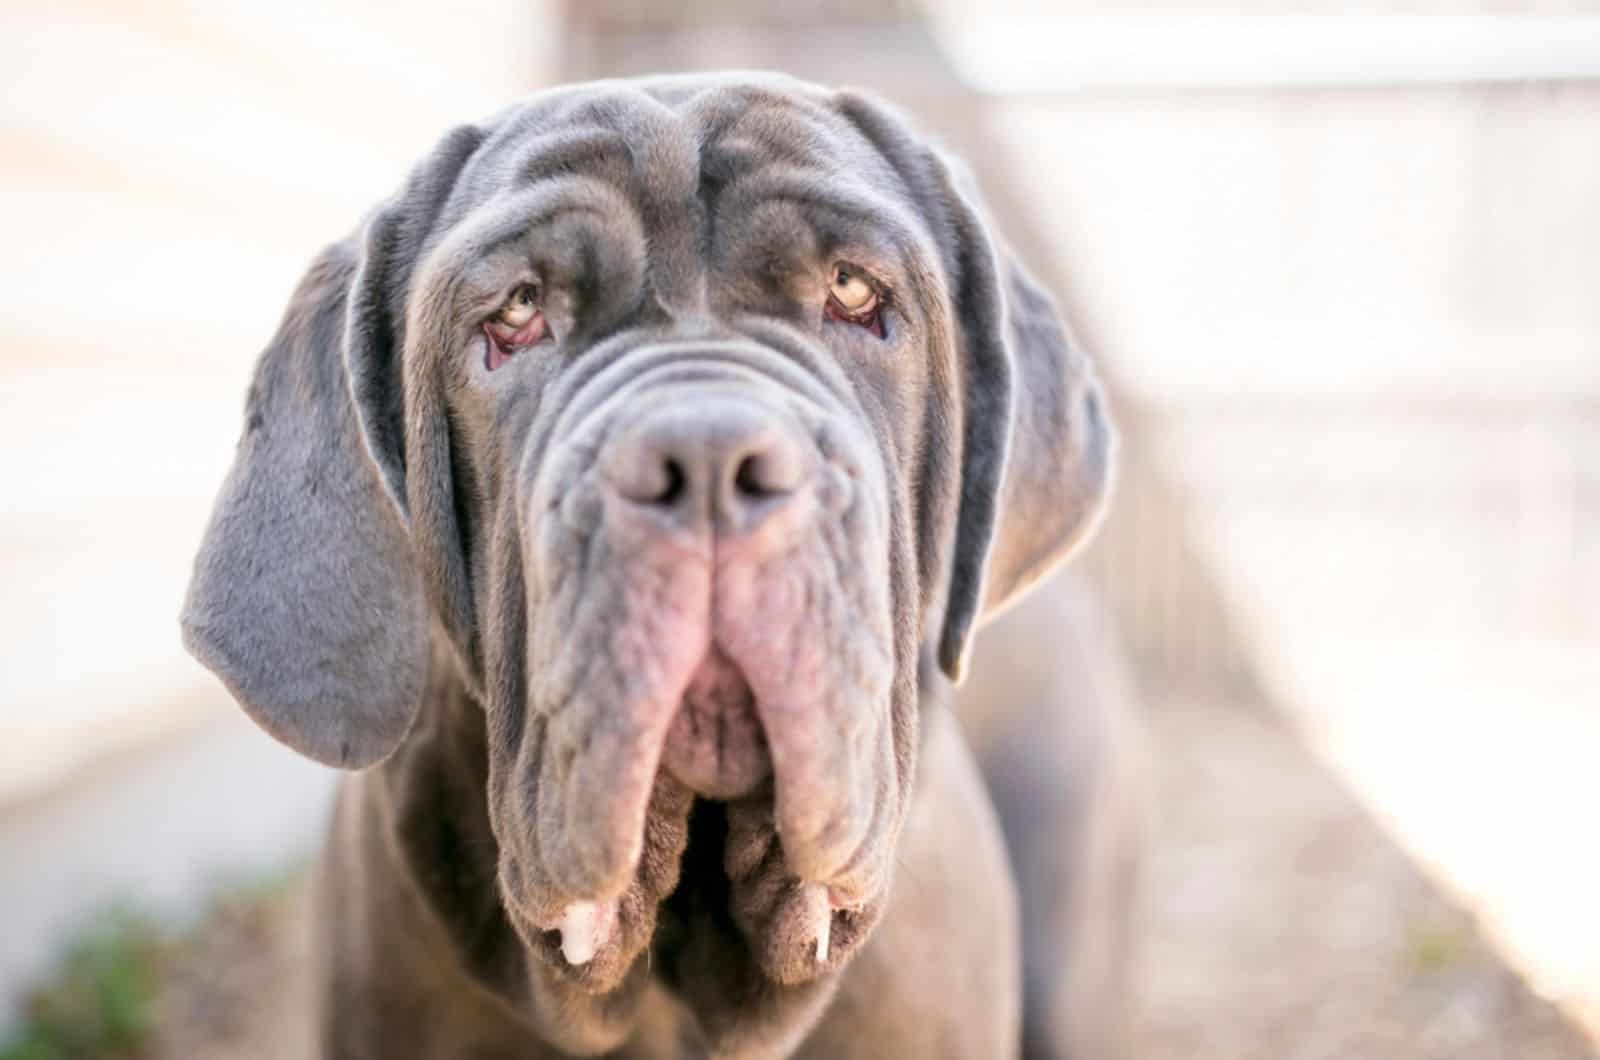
[(520, 307), (854, 299), (518, 325), (852, 293)]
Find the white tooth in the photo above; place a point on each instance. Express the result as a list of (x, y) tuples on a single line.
[(580, 931), (816, 909)]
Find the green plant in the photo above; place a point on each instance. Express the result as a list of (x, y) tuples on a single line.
[(102, 1001)]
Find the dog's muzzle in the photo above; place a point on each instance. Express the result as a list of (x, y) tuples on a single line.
[(722, 479), (708, 548)]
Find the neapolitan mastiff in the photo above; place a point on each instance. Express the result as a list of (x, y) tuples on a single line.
[(623, 499)]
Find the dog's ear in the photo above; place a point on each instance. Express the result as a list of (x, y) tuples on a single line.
[(306, 600), (1038, 450), (1037, 447)]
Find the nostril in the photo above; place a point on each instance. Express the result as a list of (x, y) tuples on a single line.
[(673, 483), (747, 479), (754, 477)]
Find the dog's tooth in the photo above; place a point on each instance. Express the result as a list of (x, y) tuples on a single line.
[(585, 927), (815, 908), (580, 930)]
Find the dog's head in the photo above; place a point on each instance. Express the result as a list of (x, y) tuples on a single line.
[(681, 419)]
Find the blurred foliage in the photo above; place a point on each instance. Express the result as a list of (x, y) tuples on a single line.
[(1434, 948), (103, 1000)]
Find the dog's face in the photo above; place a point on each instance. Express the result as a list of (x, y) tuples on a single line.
[(675, 416)]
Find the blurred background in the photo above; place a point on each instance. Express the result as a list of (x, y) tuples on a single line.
[(1342, 273)]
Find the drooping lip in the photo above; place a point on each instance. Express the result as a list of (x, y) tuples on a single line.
[(795, 650), (716, 745)]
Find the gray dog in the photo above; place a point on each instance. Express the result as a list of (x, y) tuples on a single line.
[(627, 493)]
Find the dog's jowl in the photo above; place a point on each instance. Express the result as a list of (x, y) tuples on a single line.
[(619, 502)]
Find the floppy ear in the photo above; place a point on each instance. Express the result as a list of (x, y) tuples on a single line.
[(1061, 460), (1038, 446), (306, 599)]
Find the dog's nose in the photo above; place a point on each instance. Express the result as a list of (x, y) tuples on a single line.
[(718, 462)]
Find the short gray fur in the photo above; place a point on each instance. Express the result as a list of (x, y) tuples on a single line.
[(418, 568)]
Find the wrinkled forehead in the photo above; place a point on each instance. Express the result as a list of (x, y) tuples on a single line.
[(673, 147)]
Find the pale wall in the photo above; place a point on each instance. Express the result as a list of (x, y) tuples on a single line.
[(167, 170)]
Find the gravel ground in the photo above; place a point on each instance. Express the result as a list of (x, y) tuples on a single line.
[(1283, 924)]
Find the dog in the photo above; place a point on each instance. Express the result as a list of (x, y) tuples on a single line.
[(619, 504)]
